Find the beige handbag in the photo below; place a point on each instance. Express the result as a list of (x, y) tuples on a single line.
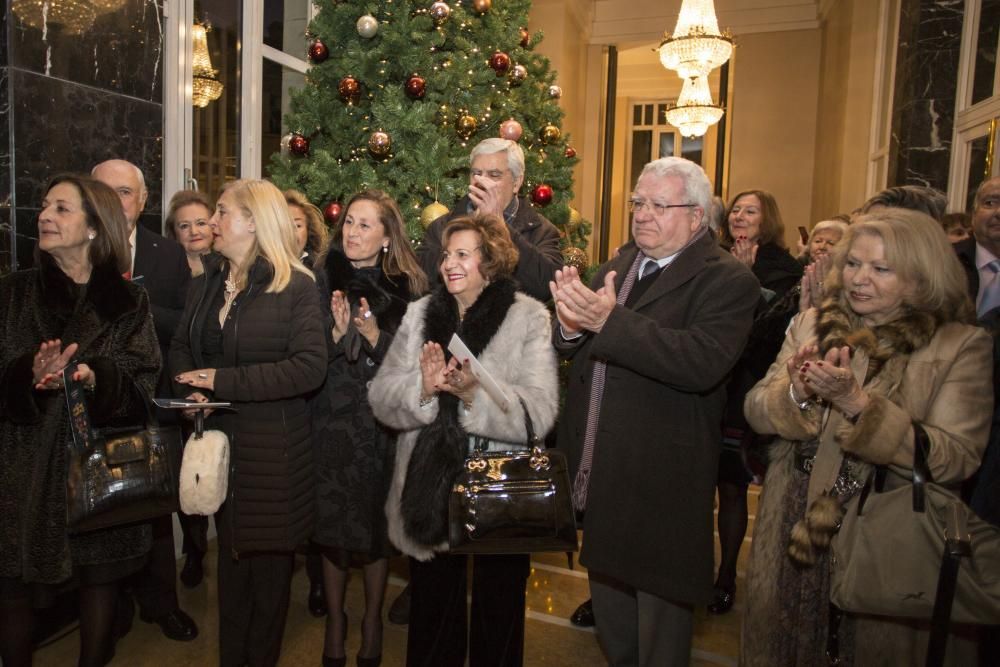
[(204, 473), (903, 549)]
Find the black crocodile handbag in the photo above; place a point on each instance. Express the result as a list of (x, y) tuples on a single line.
[(121, 475), (512, 502)]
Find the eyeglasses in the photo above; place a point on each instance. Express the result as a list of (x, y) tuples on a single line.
[(659, 210)]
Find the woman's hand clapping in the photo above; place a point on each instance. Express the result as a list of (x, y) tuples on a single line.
[(452, 376), (832, 380), (49, 362)]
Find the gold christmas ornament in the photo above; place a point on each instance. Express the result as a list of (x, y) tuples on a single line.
[(518, 74), (432, 212), (574, 220), (379, 144), (440, 11), (549, 134), (575, 257), (482, 6), (466, 125)]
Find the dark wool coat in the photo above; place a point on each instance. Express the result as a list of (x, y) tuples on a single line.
[(652, 485), (536, 238), (275, 355), (112, 325), (353, 451)]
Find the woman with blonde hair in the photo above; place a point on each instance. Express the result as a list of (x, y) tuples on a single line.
[(311, 233), (252, 334), (890, 346)]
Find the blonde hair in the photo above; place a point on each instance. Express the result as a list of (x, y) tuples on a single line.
[(274, 233), (919, 252)]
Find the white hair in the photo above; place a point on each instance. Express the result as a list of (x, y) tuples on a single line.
[(697, 188), (822, 225), (515, 156), (138, 172)]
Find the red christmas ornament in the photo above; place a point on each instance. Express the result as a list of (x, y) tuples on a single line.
[(524, 38), (332, 212), (570, 152), (318, 51), (500, 62), (542, 194), (298, 145), (349, 89), (415, 86)]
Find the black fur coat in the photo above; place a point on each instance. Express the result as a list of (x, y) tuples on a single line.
[(353, 452), (110, 320)]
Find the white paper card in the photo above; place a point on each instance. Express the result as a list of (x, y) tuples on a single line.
[(461, 351)]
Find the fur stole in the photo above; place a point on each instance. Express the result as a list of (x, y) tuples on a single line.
[(387, 296), (442, 445), (110, 295), (888, 348)]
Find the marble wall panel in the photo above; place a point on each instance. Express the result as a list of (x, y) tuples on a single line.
[(122, 51), (25, 237), (6, 230), (927, 64), (61, 126)]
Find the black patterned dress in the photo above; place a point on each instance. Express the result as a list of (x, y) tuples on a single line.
[(353, 452)]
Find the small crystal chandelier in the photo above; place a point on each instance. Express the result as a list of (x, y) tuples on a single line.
[(694, 111), (696, 47), (205, 87)]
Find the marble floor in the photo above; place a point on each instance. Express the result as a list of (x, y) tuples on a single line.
[(554, 591)]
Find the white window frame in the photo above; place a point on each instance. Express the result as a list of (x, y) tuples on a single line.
[(882, 97), (178, 119), (972, 121)]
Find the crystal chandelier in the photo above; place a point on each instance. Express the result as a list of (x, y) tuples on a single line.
[(696, 47), (74, 16), (694, 111), (205, 87)]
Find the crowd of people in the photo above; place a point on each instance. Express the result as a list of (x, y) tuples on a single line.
[(702, 357)]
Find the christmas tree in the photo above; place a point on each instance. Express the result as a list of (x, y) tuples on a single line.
[(400, 92)]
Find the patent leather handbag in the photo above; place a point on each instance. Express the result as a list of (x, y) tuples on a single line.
[(512, 502), (121, 475)]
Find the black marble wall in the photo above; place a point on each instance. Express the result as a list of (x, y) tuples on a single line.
[(927, 61), (70, 101)]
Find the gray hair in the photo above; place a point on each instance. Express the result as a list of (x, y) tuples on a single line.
[(138, 172), (697, 188), (515, 156)]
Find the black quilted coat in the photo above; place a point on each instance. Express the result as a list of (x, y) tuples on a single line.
[(275, 355)]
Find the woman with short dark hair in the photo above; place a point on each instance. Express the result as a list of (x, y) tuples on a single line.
[(187, 223), (438, 406)]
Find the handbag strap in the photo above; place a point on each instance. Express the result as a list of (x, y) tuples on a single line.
[(529, 427), (921, 472)]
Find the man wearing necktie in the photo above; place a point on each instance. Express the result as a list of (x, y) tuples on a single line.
[(652, 341), (160, 266), (980, 256)]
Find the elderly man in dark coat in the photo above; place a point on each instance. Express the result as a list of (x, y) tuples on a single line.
[(652, 341), (495, 177)]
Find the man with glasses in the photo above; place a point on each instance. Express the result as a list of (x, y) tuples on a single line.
[(496, 175), (652, 341)]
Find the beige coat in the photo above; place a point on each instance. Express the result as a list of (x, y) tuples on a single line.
[(946, 386)]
